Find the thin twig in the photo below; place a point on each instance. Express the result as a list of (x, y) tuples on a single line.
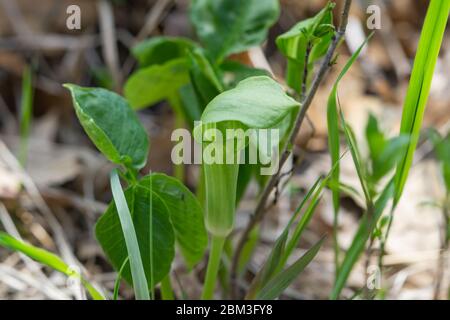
[(45, 285), (306, 103), (15, 17), (34, 193), (109, 40), (153, 18), (305, 72)]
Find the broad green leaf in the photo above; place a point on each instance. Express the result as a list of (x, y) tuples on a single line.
[(154, 232), (389, 157), (186, 215), (112, 125), (366, 227), (375, 138), (234, 72), (155, 83), (190, 104), (420, 84), (275, 287), (232, 26), (305, 43), (102, 77), (48, 259), (159, 50), (383, 153), (203, 77)]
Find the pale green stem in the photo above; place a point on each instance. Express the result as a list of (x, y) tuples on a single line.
[(212, 270), (179, 170)]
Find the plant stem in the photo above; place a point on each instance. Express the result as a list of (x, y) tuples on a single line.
[(166, 289), (273, 181), (304, 88), (336, 245), (384, 240), (217, 244), (174, 101)]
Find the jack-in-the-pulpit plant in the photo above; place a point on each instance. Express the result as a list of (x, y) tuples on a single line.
[(227, 105)]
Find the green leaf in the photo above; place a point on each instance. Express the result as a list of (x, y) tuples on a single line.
[(375, 139), (389, 157), (305, 43), (234, 72), (186, 215), (384, 154), (112, 125), (48, 259), (154, 232), (159, 50), (275, 287), (203, 77), (232, 26), (131, 241), (155, 83), (420, 84), (190, 105)]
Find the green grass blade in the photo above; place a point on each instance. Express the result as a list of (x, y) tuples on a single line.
[(304, 200), (118, 279), (365, 229), (420, 84), (129, 233), (48, 259), (248, 249), (304, 221), (333, 130), (280, 282), (357, 159), (26, 110), (270, 266), (334, 145)]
